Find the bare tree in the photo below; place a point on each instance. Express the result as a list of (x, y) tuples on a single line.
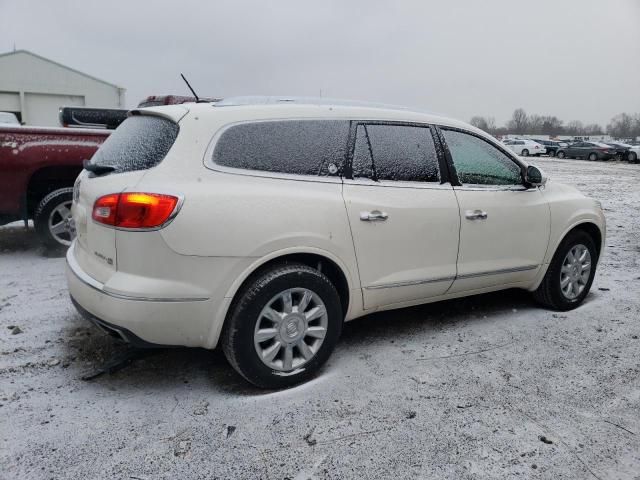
[(551, 125), (518, 122), (535, 124), (593, 129), (574, 127), (488, 124), (622, 126)]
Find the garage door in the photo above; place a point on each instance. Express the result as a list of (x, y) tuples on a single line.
[(41, 109), (9, 102)]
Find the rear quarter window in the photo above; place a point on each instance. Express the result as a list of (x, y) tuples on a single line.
[(139, 143), (299, 147)]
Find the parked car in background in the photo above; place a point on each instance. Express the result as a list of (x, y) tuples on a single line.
[(276, 221), (8, 118), (551, 146), (624, 151), (588, 150), (525, 147), (38, 166)]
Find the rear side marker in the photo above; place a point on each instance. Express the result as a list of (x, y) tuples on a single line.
[(135, 210)]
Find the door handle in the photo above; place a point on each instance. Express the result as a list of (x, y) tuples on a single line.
[(373, 216), (475, 215)]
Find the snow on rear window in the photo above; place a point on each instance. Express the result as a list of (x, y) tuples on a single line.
[(139, 143)]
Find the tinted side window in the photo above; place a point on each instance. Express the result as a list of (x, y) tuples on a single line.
[(139, 143), (301, 147), (480, 163), (400, 153)]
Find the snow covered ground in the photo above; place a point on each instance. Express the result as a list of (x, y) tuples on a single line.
[(485, 387)]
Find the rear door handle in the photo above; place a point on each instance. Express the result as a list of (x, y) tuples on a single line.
[(475, 215), (373, 216)]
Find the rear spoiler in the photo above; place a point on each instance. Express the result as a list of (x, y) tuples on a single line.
[(83, 117)]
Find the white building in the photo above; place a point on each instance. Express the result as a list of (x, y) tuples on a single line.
[(34, 88)]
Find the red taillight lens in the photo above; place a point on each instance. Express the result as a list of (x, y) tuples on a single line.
[(134, 209), (104, 210)]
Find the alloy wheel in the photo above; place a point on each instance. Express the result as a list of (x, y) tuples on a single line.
[(58, 223), (575, 271), (290, 329)]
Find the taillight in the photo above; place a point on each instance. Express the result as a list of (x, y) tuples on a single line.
[(134, 209), (104, 210)]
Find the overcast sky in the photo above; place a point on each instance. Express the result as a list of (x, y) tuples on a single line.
[(577, 59)]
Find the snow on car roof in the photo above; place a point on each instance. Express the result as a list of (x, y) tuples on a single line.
[(323, 106)]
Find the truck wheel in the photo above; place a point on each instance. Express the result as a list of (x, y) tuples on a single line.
[(283, 326), (51, 218), (570, 273)]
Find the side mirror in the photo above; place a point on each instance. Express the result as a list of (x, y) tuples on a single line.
[(535, 177)]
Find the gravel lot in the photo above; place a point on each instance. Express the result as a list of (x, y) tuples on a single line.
[(485, 387)]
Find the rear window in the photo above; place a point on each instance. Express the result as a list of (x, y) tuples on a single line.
[(139, 143), (299, 147)]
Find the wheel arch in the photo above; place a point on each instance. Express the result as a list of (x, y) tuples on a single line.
[(590, 227), (46, 180), (318, 259)]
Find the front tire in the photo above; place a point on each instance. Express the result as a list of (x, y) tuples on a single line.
[(525, 153), (51, 218), (570, 273), (593, 157), (561, 154), (283, 326), (632, 157)]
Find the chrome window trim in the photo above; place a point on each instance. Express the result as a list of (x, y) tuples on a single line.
[(211, 165), (493, 188), (366, 182)]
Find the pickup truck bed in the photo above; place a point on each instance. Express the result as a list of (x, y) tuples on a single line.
[(38, 167)]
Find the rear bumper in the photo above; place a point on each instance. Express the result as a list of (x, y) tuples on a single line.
[(145, 322)]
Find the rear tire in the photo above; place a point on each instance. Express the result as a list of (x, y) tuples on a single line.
[(550, 293), (632, 157), (252, 318), (51, 218), (552, 153), (593, 157)]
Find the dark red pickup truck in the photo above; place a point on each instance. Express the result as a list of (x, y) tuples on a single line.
[(38, 167)]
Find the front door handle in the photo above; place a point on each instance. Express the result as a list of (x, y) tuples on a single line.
[(475, 215), (373, 216)]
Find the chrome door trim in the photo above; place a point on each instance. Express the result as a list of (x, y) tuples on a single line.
[(524, 268), (410, 283), (452, 278)]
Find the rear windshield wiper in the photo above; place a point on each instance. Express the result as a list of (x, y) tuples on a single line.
[(97, 169)]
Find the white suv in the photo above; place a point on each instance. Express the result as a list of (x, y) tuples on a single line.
[(262, 225)]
